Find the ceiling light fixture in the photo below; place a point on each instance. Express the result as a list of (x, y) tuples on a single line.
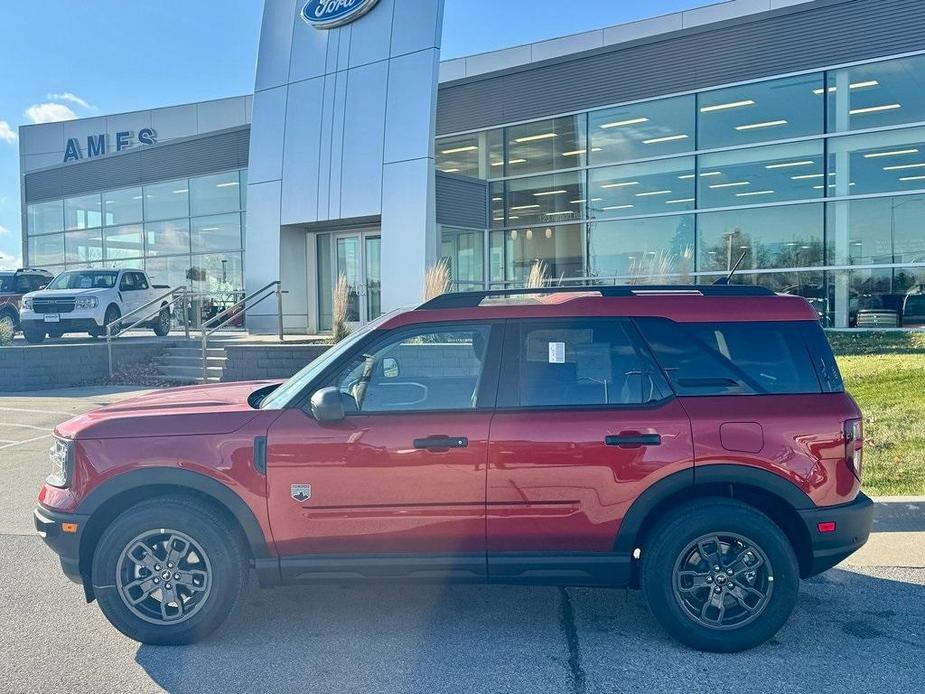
[(893, 153), (855, 85), (621, 123), (534, 138), (617, 207), (766, 124), (679, 202), (912, 178), (624, 184), (873, 109), (457, 150), (449, 170), (790, 164), (525, 207), (549, 192), (724, 107), (667, 138), (754, 192), (900, 167), (653, 192), (227, 184), (737, 184), (806, 177)]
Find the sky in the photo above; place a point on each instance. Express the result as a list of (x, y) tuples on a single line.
[(61, 59)]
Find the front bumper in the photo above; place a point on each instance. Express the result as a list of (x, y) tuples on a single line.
[(49, 525), (852, 528), (65, 325)]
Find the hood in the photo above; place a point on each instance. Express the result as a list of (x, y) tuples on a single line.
[(219, 408), (44, 293)]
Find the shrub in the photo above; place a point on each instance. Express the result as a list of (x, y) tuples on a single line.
[(437, 279), (7, 330), (340, 303)]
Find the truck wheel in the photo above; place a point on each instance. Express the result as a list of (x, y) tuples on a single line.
[(33, 335), (162, 324), (719, 575), (112, 314), (168, 571), (55, 334)]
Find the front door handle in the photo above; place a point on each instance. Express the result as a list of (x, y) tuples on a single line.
[(633, 440), (441, 443)]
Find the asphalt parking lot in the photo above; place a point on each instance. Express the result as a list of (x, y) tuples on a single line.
[(858, 627)]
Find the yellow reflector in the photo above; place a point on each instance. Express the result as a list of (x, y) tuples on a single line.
[(69, 527)]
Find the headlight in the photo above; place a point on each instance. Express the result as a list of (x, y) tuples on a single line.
[(86, 302), (27, 303), (62, 463)]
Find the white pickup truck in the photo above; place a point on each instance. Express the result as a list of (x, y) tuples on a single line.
[(89, 300)]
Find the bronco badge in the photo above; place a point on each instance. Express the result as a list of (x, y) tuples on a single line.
[(301, 492)]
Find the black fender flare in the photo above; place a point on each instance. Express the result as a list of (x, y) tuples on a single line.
[(702, 476), (186, 479)]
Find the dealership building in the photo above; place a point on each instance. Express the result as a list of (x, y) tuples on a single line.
[(785, 134)]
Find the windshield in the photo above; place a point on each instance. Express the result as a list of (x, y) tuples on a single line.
[(85, 279), (281, 397), (6, 283)]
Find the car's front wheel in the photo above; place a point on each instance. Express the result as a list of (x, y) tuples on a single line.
[(162, 324), (719, 575), (32, 334), (168, 571)]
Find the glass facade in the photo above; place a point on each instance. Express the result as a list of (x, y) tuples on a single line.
[(814, 184), (185, 232)]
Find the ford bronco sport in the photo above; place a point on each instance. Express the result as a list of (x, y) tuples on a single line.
[(696, 442)]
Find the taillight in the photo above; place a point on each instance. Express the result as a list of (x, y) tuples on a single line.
[(854, 445)]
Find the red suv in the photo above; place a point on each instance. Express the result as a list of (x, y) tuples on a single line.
[(696, 442), (12, 287)]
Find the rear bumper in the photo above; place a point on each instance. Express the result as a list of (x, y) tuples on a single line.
[(852, 528), (48, 523)]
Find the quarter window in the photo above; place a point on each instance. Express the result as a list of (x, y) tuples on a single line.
[(419, 371)]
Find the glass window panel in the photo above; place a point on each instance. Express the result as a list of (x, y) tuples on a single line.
[(478, 155), (547, 145), (464, 251), (772, 110), (165, 238), (876, 230), (325, 283), (544, 199), (46, 217), (83, 246), (123, 242), (769, 237), (877, 162), (219, 233), (881, 297), (640, 131), (761, 175), (560, 247), (218, 274), (656, 250), (122, 206), (243, 188), (876, 95), (215, 194), (84, 212), (496, 205), (167, 200), (665, 185), (46, 250), (173, 271)]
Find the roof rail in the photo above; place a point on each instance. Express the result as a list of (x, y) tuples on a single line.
[(473, 299)]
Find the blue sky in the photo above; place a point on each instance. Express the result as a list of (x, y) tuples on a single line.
[(62, 59)]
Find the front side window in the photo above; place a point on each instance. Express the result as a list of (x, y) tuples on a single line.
[(417, 371), (577, 363), (732, 358)]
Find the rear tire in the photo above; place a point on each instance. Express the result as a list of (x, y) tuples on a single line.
[(168, 571), (719, 575), (33, 336)]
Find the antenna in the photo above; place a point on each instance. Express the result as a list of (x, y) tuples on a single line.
[(725, 280)]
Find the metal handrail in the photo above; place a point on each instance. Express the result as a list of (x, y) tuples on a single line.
[(214, 324), (179, 293)]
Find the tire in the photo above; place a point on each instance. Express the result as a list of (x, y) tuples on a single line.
[(33, 336), (214, 566), (112, 314), (55, 334), (681, 587), (162, 325)]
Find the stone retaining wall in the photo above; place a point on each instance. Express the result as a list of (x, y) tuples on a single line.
[(254, 362)]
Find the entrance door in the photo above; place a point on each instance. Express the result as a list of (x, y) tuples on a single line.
[(355, 255)]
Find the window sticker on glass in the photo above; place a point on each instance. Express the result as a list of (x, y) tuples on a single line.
[(556, 352)]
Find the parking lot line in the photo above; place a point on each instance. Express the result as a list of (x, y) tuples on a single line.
[(20, 409), (19, 443), (25, 426)]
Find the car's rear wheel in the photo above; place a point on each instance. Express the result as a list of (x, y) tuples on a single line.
[(719, 575), (162, 324), (168, 571)]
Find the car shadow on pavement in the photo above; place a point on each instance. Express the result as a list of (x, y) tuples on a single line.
[(440, 638)]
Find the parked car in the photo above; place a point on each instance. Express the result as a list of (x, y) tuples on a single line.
[(14, 285), (914, 307), (696, 442), (88, 300)]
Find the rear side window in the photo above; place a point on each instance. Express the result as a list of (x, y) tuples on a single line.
[(577, 363), (733, 358)]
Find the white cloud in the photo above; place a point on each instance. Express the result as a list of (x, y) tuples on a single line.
[(4, 231), (72, 98), (49, 113), (9, 262), (7, 134)]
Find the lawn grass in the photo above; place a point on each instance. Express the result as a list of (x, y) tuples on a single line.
[(885, 372)]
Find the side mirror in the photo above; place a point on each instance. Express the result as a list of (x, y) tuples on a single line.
[(390, 368), (327, 406)]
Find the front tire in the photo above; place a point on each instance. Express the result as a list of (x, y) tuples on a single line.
[(162, 325), (112, 315), (719, 575), (169, 572), (34, 336)]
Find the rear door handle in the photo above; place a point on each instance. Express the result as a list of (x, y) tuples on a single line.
[(441, 442), (633, 440)]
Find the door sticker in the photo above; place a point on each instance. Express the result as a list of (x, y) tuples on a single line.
[(556, 352)]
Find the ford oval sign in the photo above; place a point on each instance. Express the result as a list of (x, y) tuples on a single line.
[(327, 14)]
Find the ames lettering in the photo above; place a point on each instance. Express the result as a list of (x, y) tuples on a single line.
[(98, 145)]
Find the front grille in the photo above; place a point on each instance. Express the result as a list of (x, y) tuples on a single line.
[(64, 304)]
